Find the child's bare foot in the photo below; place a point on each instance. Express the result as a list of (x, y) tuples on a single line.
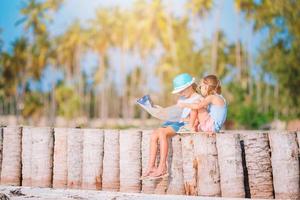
[(149, 171), (159, 172)]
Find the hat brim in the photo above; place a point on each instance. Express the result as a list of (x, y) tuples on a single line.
[(177, 90)]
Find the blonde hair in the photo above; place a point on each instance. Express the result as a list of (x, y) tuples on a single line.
[(214, 85)]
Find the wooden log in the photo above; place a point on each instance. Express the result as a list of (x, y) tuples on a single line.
[(285, 164), (11, 163), (230, 165), (161, 185), (1, 149), (176, 184), (258, 162), (147, 185), (41, 156), (92, 159), (26, 155), (111, 161), (130, 160), (189, 165), (60, 167), (74, 161), (208, 177), (298, 140)]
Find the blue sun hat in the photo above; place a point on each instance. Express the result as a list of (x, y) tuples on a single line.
[(181, 82)]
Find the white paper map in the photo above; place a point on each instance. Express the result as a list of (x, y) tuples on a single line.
[(170, 113)]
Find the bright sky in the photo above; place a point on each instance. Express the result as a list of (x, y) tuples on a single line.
[(84, 9)]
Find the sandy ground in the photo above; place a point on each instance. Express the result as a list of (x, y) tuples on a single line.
[(48, 193)]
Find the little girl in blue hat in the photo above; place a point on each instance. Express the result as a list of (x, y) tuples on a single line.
[(212, 110), (183, 85)]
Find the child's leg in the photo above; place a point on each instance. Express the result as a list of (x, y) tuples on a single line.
[(164, 135), (205, 121), (196, 124), (193, 119), (202, 113), (153, 151)]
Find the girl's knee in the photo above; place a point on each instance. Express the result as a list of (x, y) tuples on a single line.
[(162, 132), (155, 134)]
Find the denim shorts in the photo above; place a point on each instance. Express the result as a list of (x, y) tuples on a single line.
[(174, 125)]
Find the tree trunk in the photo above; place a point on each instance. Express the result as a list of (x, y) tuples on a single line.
[(53, 105), (11, 163), (208, 176), (258, 162), (60, 168), (176, 185), (92, 159), (111, 161), (130, 161), (125, 86), (230, 163), (285, 164), (103, 93), (74, 160), (189, 165), (161, 185), (41, 157), (104, 103), (147, 186)]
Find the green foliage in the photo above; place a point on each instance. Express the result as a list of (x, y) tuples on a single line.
[(143, 30), (33, 105), (280, 55), (248, 116), (68, 102)]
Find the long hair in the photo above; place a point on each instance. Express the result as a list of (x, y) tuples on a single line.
[(214, 85)]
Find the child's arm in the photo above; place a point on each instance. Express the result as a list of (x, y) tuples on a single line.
[(195, 106)]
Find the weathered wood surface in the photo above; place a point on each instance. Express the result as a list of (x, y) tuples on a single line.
[(11, 159), (199, 164), (111, 161), (92, 166), (26, 156), (60, 166), (147, 185), (1, 148), (189, 165), (176, 184), (52, 194), (74, 160), (130, 160), (285, 164), (230, 164), (258, 162), (208, 177), (41, 156)]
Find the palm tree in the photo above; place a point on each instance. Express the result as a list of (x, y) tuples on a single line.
[(20, 56), (100, 41), (36, 16), (8, 80), (71, 46)]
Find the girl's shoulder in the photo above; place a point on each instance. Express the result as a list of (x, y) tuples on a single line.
[(217, 99)]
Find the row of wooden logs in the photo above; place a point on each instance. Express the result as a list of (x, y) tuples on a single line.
[(231, 164)]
